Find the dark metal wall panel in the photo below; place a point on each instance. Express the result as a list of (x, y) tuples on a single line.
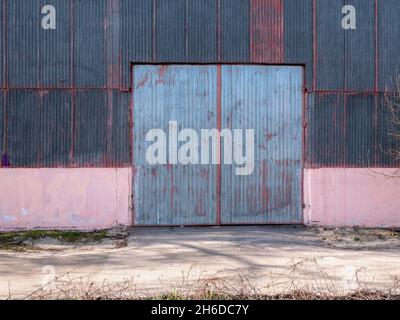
[(360, 130), (202, 31), (171, 40), (341, 130), (2, 42), (360, 48), (55, 54), (90, 64), (298, 35), (388, 143), (266, 31), (91, 123), (136, 35), (173, 194), (235, 30), (329, 53), (326, 130), (23, 128), (38, 128), (23, 45), (118, 139), (38, 57), (388, 43)]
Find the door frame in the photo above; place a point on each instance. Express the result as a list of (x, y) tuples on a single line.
[(304, 135)]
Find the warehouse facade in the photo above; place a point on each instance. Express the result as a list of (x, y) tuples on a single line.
[(84, 82)]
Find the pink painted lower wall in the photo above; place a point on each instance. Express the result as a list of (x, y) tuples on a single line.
[(78, 198), (352, 197)]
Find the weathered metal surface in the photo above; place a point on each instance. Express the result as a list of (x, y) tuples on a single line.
[(90, 132), (170, 30), (90, 60), (268, 100), (325, 130), (2, 42), (202, 20), (388, 12), (234, 30), (118, 136), (266, 31), (359, 48), (329, 41), (137, 35), (38, 128), (38, 58), (342, 131), (388, 143), (168, 194), (360, 130), (298, 35)]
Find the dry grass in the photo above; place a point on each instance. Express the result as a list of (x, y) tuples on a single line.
[(218, 287)]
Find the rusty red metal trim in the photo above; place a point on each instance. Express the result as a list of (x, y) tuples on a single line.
[(304, 120), (131, 139), (219, 121)]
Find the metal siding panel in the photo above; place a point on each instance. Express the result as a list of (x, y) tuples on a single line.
[(136, 35), (119, 141), (91, 124), (360, 130), (90, 43), (37, 57), (298, 35), (54, 50), (38, 128), (23, 34), (235, 33), (268, 100), (23, 128), (170, 30), (329, 59), (388, 43), (2, 151), (326, 131), (266, 31), (173, 194), (56, 128), (2, 43), (386, 141), (113, 29), (360, 48), (202, 31)]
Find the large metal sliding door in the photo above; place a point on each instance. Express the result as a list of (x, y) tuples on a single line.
[(266, 100)]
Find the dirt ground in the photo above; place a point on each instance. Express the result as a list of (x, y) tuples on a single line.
[(150, 262)]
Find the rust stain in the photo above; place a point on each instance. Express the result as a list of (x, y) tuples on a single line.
[(143, 82)]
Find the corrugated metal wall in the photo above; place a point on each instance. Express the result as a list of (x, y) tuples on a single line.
[(96, 40)]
